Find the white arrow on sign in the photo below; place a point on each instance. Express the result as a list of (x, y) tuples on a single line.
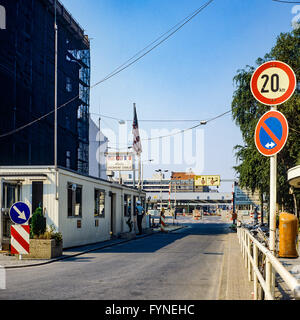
[(21, 214), (270, 145)]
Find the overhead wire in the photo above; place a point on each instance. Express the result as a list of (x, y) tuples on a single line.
[(154, 41), (120, 68), (151, 49), (148, 120), (184, 130), (282, 1)]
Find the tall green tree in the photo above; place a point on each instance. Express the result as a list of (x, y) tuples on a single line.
[(253, 168)]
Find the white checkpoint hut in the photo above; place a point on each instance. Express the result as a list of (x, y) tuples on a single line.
[(84, 209)]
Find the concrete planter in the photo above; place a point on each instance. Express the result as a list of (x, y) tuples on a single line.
[(43, 249)]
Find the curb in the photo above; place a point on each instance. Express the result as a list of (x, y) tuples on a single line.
[(86, 251), (181, 227), (222, 291), (76, 254)]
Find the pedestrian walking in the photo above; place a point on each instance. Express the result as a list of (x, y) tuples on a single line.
[(256, 215), (234, 217), (140, 214), (162, 212)]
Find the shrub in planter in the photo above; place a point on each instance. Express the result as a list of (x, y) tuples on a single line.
[(51, 234), (37, 224)]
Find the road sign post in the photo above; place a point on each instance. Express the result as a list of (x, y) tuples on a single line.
[(273, 83), (19, 213), (20, 240), (272, 228)]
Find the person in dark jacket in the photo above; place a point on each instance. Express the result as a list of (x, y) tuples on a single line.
[(256, 215), (140, 214)]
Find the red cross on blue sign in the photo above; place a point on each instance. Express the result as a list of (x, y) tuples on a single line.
[(271, 133)]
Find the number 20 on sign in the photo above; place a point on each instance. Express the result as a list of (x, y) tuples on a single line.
[(273, 83)]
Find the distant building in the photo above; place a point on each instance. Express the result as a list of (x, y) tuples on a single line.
[(27, 86), (155, 184), (183, 192), (245, 199), (98, 147), (293, 176), (184, 182), (179, 182)]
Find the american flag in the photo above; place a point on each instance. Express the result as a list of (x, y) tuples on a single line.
[(137, 146)]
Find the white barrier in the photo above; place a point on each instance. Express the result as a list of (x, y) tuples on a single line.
[(2, 278), (250, 248)]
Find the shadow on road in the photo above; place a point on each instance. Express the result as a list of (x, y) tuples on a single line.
[(158, 241)]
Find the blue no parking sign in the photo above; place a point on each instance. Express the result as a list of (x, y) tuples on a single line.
[(271, 133), (19, 213)]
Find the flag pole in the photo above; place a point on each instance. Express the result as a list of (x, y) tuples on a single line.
[(140, 181), (136, 146), (133, 172), (55, 99)]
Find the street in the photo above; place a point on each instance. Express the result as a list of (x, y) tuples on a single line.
[(185, 264)]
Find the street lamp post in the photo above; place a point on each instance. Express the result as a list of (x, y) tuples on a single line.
[(142, 182), (161, 174), (175, 202)]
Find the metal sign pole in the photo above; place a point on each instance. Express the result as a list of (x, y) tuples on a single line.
[(272, 227), (268, 93)]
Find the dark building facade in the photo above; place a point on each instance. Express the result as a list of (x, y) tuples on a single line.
[(27, 57)]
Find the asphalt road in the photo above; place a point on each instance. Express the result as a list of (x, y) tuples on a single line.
[(185, 264)]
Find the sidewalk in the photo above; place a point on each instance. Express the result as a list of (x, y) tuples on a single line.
[(282, 292), (234, 284), (12, 262)]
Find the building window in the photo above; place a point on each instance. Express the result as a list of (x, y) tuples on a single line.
[(68, 85), (37, 195), (127, 205), (74, 200), (99, 203), (68, 159), (10, 195), (68, 122)]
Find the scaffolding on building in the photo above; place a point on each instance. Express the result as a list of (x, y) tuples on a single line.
[(27, 74)]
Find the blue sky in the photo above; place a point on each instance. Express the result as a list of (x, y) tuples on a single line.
[(190, 76)]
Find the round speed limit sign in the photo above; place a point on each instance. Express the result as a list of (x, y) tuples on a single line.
[(273, 83)]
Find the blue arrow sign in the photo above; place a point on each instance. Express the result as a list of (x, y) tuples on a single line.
[(19, 213)]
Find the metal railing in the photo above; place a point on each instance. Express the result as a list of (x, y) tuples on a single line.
[(261, 265)]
